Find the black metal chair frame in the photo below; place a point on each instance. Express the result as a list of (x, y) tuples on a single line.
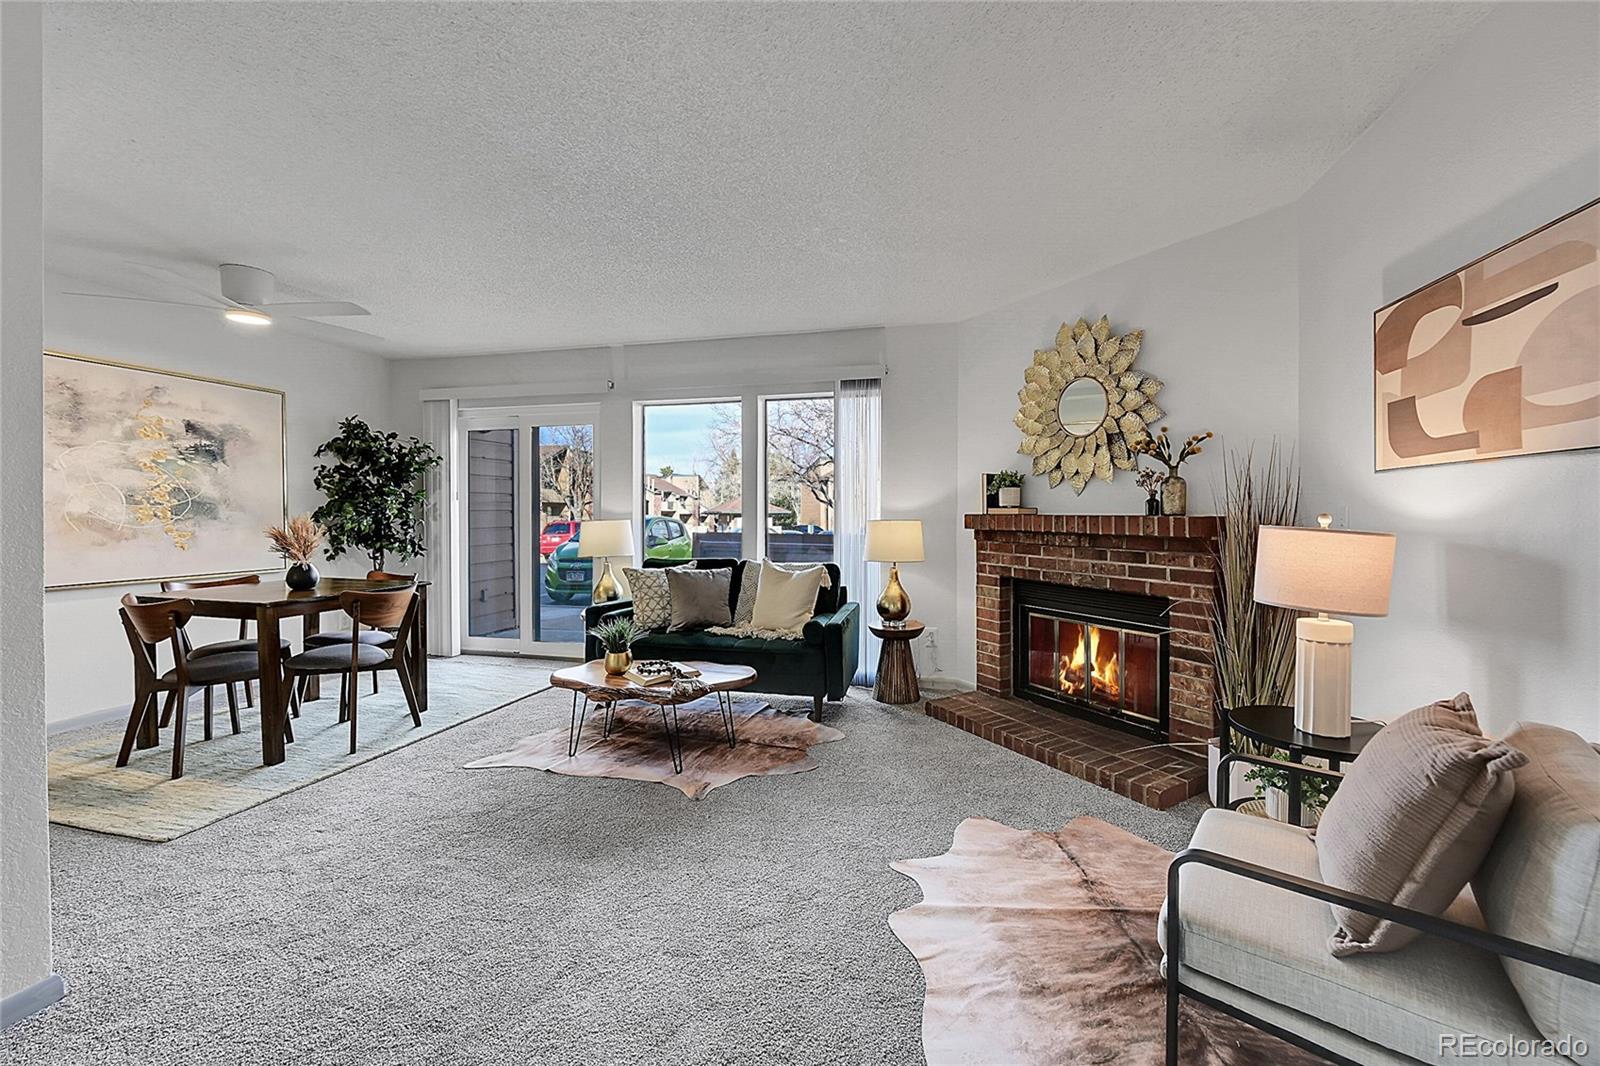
[(1429, 924)]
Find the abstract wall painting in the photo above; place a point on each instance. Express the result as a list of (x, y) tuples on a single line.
[(151, 474), (1500, 358)]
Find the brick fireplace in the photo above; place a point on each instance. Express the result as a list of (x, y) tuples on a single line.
[(1158, 557), (1165, 564)]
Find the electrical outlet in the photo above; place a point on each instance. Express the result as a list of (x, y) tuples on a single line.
[(927, 652)]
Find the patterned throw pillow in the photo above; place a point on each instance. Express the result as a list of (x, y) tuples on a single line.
[(750, 587), (652, 599)]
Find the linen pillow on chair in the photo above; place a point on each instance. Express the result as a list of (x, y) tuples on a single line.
[(785, 600), (652, 598), (699, 598), (1413, 819)]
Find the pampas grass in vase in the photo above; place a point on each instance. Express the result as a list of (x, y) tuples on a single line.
[(297, 541)]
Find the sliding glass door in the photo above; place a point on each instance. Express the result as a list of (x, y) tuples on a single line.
[(530, 486)]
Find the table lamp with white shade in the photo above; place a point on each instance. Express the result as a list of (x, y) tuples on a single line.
[(605, 538), (1330, 571), (894, 541)]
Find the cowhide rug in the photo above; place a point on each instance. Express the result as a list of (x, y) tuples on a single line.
[(1041, 948), (770, 743)]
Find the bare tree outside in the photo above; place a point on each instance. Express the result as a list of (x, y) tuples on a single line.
[(566, 467), (800, 448)]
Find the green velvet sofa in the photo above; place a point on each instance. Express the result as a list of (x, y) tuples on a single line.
[(820, 664)]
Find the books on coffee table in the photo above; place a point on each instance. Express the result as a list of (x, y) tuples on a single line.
[(659, 672)]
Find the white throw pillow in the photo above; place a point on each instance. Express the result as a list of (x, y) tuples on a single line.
[(785, 600), (750, 584)]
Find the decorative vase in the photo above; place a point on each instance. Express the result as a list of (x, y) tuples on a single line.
[(617, 662), (301, 576), (1174, 496), (1277, 804), (1152, 504), (1239, 786), (1011, 497)]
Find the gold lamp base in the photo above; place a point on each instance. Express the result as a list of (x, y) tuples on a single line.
[(606, 589), (894, 606)]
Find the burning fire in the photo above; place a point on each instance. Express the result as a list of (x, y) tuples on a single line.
[(1105, 678)]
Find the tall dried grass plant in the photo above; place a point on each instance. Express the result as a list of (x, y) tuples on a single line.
[(1255, 643)]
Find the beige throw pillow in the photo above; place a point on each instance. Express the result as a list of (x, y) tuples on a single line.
[(785, 600), (1413, 819), (750, 584)]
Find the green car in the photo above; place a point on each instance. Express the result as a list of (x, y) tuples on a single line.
[(569, 579)]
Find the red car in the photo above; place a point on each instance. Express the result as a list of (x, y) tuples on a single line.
[(556, 534)]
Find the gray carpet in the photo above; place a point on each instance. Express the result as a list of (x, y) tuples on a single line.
[(408, 910)]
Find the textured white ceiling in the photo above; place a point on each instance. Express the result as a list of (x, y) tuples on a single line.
[(496, 177)]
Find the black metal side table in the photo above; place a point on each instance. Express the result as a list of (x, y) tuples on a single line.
[(1274, 726)]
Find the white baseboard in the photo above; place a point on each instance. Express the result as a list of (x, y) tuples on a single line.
[(78, 721), (31, 1000)]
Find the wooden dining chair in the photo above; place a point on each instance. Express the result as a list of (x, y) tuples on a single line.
[(148, 626), (380, 638), (224, 647), (394, 610)]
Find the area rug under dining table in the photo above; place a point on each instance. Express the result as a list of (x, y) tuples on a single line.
[(224, 775)]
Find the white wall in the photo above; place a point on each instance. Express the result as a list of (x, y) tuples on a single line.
[(919, 414), (1496, 588), (88, 660), (1219, 315), (25, 975)]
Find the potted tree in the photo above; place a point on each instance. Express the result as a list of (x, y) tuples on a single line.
[(373, 483)]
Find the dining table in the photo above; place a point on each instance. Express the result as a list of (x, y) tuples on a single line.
[(268, 604)]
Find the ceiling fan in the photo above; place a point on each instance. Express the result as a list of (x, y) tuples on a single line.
[(247, 299)]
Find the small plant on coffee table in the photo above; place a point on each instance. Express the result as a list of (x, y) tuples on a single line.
[(616, 635)]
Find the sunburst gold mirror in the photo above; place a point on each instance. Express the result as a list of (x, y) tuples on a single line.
[(1084, 404)]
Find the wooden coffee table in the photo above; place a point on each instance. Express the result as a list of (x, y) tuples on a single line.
[(591, 682)]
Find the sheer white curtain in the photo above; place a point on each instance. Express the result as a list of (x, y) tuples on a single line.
[(439, 530), (857, 436)]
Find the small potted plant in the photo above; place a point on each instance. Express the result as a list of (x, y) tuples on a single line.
[(297, 541), (1007, 485), (1272, 786), (1174, 491), (1151, 481), (616, 635)]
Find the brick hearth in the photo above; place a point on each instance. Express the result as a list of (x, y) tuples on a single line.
[(1171, 557), (1156, 775)]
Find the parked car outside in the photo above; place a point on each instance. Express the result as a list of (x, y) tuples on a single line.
[(569, 579), (556, 533)]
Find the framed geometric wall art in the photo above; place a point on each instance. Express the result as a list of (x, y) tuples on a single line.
[(1500, 358), (152, 474)]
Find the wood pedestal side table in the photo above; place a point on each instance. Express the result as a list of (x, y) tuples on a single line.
[(897, 670)]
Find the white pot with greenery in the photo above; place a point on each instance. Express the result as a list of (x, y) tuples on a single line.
[(1007, 486)]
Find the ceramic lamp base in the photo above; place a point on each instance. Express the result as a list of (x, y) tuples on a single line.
[(1322, 676)]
